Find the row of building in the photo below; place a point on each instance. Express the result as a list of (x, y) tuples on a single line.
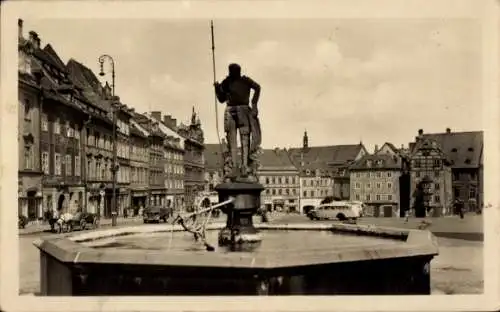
[(66, 141), (450, 164)]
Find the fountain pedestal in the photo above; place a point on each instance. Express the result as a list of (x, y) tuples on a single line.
[(240, 234)]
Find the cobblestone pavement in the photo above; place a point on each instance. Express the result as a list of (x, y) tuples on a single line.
[(458, 269)]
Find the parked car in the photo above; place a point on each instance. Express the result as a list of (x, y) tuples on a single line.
[(338, 210), (155, 214)]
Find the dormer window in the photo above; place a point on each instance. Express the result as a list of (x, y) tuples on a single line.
[(369, 163), (454, 150), (470, 149), (467, 161)]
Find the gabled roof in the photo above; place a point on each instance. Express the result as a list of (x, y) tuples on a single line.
[(462, 149), (321, 157), (275, 159), (377, 161), (55, 59), (270, 159)]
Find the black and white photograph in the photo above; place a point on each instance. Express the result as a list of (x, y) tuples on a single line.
[(170, 149)]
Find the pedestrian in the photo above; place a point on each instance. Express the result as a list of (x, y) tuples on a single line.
[(461, 208)]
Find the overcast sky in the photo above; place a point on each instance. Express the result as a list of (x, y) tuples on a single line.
[(343, 80)]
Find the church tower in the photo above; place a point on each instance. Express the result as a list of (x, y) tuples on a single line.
[(305, 140)]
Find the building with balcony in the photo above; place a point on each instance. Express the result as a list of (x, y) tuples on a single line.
[(324, 170), (464, 151), (194, 162)]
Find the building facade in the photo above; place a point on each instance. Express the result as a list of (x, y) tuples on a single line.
[(280, 179), (429, 162), (375, 182), (98, 141), (194, 161), (139, 167), (324, 170), (30, 171), (464, 150), (174, 172)]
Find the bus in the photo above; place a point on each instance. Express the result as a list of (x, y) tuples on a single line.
[(337, 210)]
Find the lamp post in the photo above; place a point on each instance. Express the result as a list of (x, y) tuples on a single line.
[(114, 166)]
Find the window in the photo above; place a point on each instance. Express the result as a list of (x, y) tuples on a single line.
[(67, 164), (69, 130), (389, 185), (28, 159), (368, 197), (312, 193), (305, 194), (368, 185), (279, 180), (358, 175), (436, 186), (57, 162), (45, 122), (472, 193), (273, 192), (287, 180), (417, 174), (389, 174), (294, 191), (45, 163), (287, 191), (378, 197), (437, 199), (379, 174), (437, 163), (279, 191), (77, 166), (57, 127), (27, 109), (357, 197), (357, 185), (273, 180), (389, 197), (379, 185), (267, 180), (267, 192)]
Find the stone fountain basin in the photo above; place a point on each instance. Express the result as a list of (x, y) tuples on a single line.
[(297, 259)]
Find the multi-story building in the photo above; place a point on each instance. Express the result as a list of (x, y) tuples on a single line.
[(173, 160), (98, 141), (430, 163), (213, 166), (319, 165), (375, 182), (30, 171), (156, 186), (281, 181), (464, 150), (194, 162), (60, 112), (139, 166)]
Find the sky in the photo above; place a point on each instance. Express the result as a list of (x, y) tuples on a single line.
[(342, 80)]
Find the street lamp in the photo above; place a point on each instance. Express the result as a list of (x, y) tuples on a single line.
[(114, 166)]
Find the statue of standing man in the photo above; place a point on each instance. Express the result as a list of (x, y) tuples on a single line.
[(240, 117)]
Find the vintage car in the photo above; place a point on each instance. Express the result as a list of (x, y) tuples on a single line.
[(156, 213)]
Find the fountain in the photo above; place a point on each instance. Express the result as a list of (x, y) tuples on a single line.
[(250, 259)]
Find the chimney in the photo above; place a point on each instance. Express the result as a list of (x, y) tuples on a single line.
[(156, 115), (376, 148), (20, 28), (167, 119), (448, 130), (34, 39), (420, 132), (174, 122)]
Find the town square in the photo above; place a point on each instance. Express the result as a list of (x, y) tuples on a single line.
[(338, 157)]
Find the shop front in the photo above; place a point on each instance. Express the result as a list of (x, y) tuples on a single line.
[(139, 200)]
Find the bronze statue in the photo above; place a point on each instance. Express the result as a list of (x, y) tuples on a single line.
[(240, 116)]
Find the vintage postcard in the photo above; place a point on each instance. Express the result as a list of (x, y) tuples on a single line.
[(250, 155)]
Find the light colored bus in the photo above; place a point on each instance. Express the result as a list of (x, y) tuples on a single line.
[(337, 210)]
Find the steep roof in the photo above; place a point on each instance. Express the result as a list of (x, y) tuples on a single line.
[(275, 159), (377, 161), (54, 58), (462, 149), (317, 157), (270, 159)]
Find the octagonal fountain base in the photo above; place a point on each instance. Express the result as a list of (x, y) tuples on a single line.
[(308, 259)]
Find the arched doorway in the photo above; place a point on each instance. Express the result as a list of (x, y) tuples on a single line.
[(32, 205), (60, 202)]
